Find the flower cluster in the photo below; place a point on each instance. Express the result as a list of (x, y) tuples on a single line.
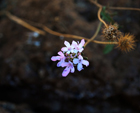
[(70, 56)]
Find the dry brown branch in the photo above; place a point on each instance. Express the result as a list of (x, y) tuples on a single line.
[(116, 8), (25, 24), (99, 17), (99, 11), (124, 8), (96, 3)]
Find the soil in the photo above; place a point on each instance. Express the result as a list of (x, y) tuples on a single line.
[(31, 83)]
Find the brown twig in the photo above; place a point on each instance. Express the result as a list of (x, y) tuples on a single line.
[(99, 11), (99, 42), (61, 34), (73, 36), (125, 8), (99, 17), (23, 23), (116, 8), (69, 35), (96, 3)]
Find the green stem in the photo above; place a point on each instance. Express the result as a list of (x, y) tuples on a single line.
[(95, 34)]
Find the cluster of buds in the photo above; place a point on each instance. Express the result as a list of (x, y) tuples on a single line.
[(126, 42), (71, 56), (111, 33)]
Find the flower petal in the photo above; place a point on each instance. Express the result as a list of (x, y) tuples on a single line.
[(66, 72), (75, 60), (68, 52), (74, 43), (75, 50), (61, 54), (54, 58), (85, 62), (64, 64), (82, 43), (72, 50), (59, 63), (72, 69), (64, 49), (81, 49), (80, 57), (79, 66), (67, 43)]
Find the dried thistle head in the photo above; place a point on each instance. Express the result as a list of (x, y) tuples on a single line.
[(126, 42), (111, 33)]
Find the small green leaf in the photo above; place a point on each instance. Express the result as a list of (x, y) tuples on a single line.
[(108, 48), (86, 58), (106, 16)]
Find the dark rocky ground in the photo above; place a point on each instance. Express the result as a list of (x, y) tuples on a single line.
[(31, 83)]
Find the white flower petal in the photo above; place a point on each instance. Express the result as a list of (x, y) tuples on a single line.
[(68, 52), (74, 43), (72, 50), (79, 66), (75, 50), (85, 62), (82, 43), (80, 50), (75, 60), (64, 49), (67, 43)]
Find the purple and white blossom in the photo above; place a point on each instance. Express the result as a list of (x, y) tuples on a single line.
[(79, 61), (78, 47), (70, 56), (68, 48)]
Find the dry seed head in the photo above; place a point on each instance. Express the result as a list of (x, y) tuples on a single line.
[(111, 33), (126, 42)]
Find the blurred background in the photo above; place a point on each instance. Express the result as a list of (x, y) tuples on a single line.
[(31, 83)]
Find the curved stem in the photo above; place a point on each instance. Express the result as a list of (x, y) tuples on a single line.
[(96, 33), (99, 17)]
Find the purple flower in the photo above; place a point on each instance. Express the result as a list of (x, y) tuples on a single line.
[(61, 58), (80, 61), (68, 48), (70, 55), (69, 68)]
